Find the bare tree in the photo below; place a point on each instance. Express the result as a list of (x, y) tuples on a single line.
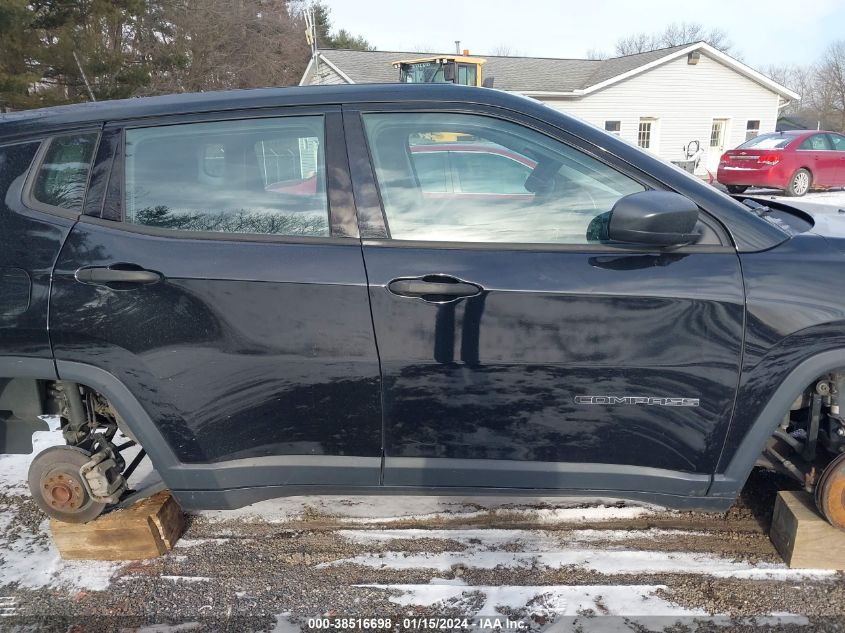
[(675, 34), (797, 78), (595, 53), (505, 50), (636, 43), (830, 85)]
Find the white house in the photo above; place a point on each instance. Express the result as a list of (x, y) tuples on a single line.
[(661, 100)]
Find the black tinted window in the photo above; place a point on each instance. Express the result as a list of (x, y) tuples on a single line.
[(14, 162), (63, 174), (262, 176)]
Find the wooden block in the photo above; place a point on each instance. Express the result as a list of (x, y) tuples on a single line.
[(802, 535), (148, 529)]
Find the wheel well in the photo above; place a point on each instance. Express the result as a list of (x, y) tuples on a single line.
[(82, 411), (810, 434)]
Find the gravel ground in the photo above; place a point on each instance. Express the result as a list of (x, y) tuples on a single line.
[(251, 573)]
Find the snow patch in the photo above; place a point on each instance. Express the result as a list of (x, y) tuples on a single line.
[(31, 560), (563, 600), (14, 469), (609, 562), (284, 624), (371, 509)]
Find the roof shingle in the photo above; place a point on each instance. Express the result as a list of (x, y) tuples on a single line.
[(520, 74)]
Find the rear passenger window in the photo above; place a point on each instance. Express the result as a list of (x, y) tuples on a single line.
[(816, 142), (63, 175), (263, 176)]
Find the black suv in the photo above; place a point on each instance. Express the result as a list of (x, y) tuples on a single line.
[(394, 288)]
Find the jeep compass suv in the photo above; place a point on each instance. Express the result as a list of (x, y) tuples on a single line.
[(598, 322)]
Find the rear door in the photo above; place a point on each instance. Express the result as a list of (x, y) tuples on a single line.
[(816, 153), (518, 350), (222, 284), (837, 142)]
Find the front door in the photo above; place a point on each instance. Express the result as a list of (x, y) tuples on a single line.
[(518, 350), (718, 136), (224, 291)]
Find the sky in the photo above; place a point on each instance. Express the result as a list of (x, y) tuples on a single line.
[(763, 31)]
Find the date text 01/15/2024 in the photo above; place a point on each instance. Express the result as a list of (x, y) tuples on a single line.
[(492, 623)]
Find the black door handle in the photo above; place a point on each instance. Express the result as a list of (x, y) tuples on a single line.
[(125, 273), (437, 288)]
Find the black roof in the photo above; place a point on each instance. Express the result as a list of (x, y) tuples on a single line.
[(81, 114)]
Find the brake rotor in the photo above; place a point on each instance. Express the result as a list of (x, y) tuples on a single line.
[(830, 492), (57, 486)]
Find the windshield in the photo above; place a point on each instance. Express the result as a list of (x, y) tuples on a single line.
[(422, 73), (768, 141)]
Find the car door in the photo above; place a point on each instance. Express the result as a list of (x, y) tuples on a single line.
[(815, 152), (221, 283), (517, 349), (837, 142)]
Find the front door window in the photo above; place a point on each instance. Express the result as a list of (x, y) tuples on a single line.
[(466, 178)]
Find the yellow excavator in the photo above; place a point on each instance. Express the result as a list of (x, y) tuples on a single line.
[(441, 69)]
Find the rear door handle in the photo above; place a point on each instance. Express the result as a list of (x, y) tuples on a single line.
[(435, 288), (118, 273)]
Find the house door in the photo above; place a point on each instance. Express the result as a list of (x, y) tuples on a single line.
[(718, 135)]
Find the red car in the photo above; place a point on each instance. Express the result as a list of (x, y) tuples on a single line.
[(793, 161)]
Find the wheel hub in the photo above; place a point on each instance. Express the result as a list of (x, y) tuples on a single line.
[(57, 486), (63, 492), (830, 492)]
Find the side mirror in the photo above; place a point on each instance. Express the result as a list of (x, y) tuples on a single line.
[(661, 218), (450, 72)]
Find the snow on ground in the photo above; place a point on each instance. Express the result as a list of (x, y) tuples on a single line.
[(31, 560), (492, 538), (14, 468), (630, 600), (617, 604), (605, 561), (373, 509), (834, 197)]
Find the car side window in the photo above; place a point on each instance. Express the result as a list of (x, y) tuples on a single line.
[(62, 176), (491, 173), (838, 142), (506, 183), (259, 176), (815, 142)]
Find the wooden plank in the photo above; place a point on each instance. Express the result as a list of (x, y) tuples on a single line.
[(146, 530), (803, 537)]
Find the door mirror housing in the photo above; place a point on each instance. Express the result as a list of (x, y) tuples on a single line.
[(450, 72), (660, 218)]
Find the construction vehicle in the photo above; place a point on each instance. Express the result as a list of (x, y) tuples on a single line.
[(441, 69)]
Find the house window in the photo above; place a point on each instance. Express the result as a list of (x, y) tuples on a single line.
[(644, 133), (752, 129), (614, 127)]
